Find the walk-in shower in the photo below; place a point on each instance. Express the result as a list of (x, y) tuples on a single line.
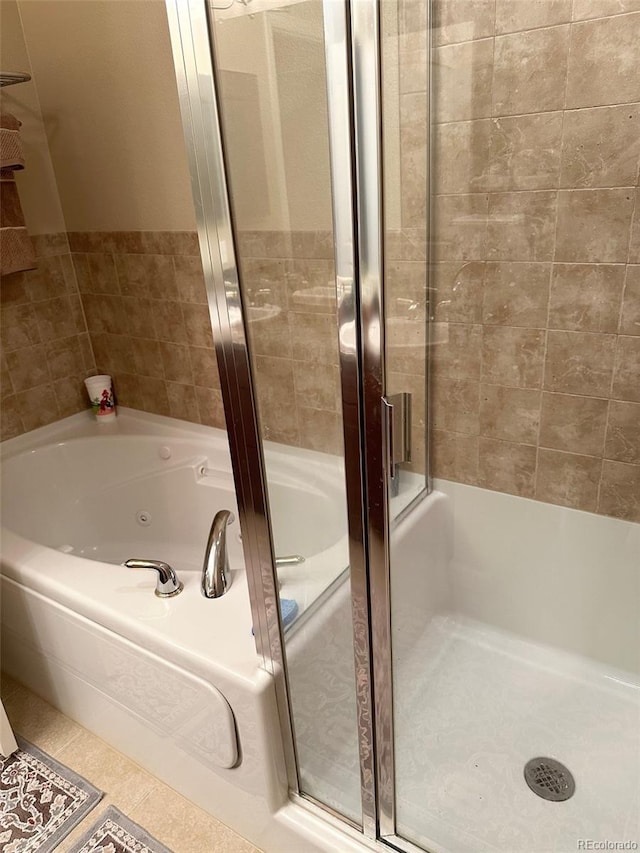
[(430, 218)]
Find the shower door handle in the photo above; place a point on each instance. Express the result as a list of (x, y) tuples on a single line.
[(396, 410), (387, 438)]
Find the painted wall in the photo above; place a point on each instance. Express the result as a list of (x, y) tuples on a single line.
[(106, 82), (37, 183), (278, 136), (283, 138), (130, 294), (45, 348)]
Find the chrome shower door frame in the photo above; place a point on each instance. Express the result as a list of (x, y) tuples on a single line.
[(191, 45), (354, 108), (367, 136), (352, 46), (354, 84), (358, 253)]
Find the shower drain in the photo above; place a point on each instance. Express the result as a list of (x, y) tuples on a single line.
[(549, 779)]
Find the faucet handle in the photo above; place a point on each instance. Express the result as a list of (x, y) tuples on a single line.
[(289, 560), (167, 583)]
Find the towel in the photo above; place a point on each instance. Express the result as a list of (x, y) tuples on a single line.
[(16, 249), (11, 156)]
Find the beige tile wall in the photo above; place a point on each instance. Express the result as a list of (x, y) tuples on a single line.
[(146, 311), (137, 307), (146, 308), (536, 344), (295, 350), (45, 349), (536, 376), (406, 246)]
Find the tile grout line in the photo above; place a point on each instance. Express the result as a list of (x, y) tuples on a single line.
[(539, 191), (618, 337), (63, 746), (606, 430), (543, 371), (552, 259), (557, 25), (555, 239), (529, 444), (544, 112), (477, 479), (84, 313)]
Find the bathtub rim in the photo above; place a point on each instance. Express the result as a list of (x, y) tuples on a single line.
[(47, 571), (128, 421), (291, 467), (50, 573), (31, 567)]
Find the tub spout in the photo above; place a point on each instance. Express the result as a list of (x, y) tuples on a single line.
[(215, 571), (167, 583)]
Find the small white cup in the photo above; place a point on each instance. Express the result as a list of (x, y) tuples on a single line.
[(100, 390)]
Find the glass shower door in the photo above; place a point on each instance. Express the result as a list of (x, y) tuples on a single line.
[(271, 80), (416, 575), (514, 589), (336, 350), (492, 620)]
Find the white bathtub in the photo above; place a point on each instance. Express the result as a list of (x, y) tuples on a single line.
[(141, 487), (174, 683)]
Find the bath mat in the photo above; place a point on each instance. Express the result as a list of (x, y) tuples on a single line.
[(113, 832), (41, 800)]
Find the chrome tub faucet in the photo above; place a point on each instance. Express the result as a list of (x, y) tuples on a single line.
[(216, 578)]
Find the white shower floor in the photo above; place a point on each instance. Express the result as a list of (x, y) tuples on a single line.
[(472, 706)]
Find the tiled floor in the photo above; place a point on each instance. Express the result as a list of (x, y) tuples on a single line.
[(172, 819)]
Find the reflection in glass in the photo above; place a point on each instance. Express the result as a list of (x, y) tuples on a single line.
[(514, 585), (405, 132), (271, 74)]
